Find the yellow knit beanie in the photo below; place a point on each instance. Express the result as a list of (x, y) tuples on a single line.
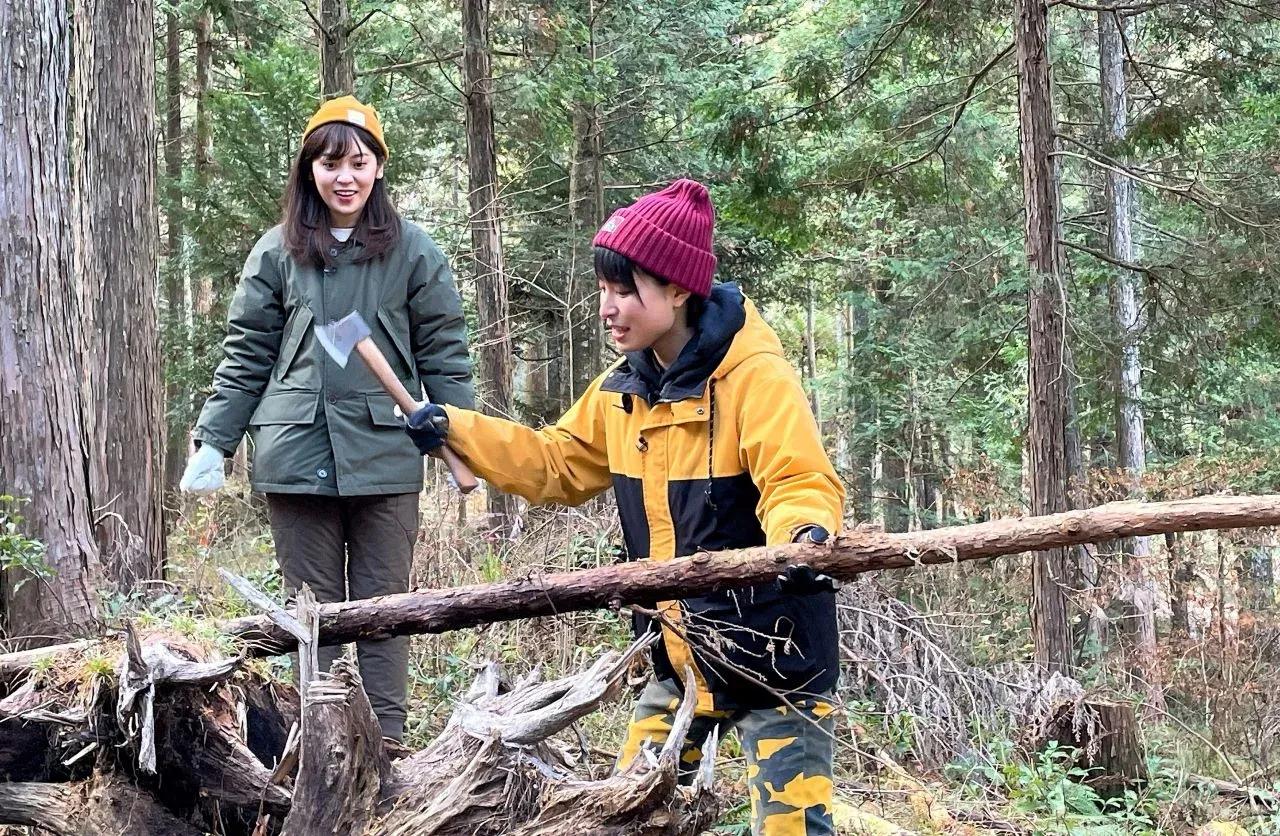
[(350, 110)]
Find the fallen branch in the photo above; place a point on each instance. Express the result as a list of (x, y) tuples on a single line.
[(850, 555), (1253, 796)]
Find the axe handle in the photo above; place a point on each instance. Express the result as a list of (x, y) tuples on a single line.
[(372, 356)]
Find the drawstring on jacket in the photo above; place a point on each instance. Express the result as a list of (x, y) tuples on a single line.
[(711, 440)]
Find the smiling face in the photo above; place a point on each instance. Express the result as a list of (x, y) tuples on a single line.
[(649, 314), (344, 178)]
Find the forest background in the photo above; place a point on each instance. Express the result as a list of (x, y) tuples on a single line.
[(873, 196)]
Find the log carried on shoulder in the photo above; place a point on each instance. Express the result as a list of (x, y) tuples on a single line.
[(849, 555)]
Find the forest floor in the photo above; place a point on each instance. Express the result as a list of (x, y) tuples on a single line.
[(890, 776)]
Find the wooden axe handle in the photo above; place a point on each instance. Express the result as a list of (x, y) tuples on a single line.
[(372, 356)]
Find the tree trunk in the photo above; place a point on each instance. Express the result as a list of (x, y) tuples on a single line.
[(174, 281), (337, 63), (896, 501), (107, 806), (863, 418), (586, 208), (1121, 206), (116, 243), (892, 445), (1138, 586), (1047, 377), (201, 293), (43, 446), (1256, 569), (1181, 574), (811, 353), (929, 506), (645, 582), (486, 234), (842, 456)]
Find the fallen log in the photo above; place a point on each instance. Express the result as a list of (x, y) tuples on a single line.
[(846, 557), (107, 805)]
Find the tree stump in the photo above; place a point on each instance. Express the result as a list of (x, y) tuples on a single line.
[(183, 742), (1105, 734)]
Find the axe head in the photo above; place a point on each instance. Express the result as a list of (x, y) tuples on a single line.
[(339, 337)]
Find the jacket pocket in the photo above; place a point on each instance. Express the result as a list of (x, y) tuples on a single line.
[(382, 412), (296, 331), (402, 350), (285, 408), (784, 640)]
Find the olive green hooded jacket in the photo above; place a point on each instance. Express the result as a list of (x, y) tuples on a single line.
[(319, 428)]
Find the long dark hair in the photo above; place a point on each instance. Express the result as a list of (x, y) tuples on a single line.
[(306, 217)]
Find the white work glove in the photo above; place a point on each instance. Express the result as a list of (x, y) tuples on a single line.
[(204, 471)]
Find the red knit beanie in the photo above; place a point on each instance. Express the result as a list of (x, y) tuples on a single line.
[(667, 234)]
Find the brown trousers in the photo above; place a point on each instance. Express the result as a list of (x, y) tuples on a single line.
[(349, 547)]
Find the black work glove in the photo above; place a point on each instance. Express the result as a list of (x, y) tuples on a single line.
[(428, 427), (801, 579), (811, 534)]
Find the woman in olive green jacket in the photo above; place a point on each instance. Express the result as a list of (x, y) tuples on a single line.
[(340, 476)]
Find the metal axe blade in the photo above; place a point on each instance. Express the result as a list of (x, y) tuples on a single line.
[(339, 337)]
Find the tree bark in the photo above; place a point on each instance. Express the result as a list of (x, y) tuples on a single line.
[(893, 447), (811, 353), (1105, 735), (115, 262), (47, 806), (174, 280), (929, 504), (486, 233), (343, 765), (1047, 374), (893, 469), (43, 411), (106, 806), (1121, 200), (586, 208), (337, 63), (201, 293), (863, 418), (1138, 586), (1181, 573), (645, 582)]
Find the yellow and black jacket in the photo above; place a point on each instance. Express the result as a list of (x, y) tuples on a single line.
[(720, 451)]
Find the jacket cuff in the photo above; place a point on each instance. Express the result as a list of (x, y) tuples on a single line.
[(203, 442), (224, 419)]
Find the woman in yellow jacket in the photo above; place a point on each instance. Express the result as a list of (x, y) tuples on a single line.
[(705, 435)]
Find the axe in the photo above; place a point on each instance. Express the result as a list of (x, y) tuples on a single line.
[(350, 333)]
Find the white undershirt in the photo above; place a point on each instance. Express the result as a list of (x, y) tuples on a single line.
[(341, 233)]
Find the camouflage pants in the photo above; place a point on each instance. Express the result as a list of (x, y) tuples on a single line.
[(789, 752)]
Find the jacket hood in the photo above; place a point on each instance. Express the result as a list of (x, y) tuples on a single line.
[(729, 331)]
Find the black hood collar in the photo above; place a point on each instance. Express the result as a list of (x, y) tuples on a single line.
[(639, 374)]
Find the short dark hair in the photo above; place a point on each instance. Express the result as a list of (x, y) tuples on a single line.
[(616, 268), (306, 217)]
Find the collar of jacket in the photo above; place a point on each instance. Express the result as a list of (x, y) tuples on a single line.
[(356, 240), (337, 253), (723, 317)]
